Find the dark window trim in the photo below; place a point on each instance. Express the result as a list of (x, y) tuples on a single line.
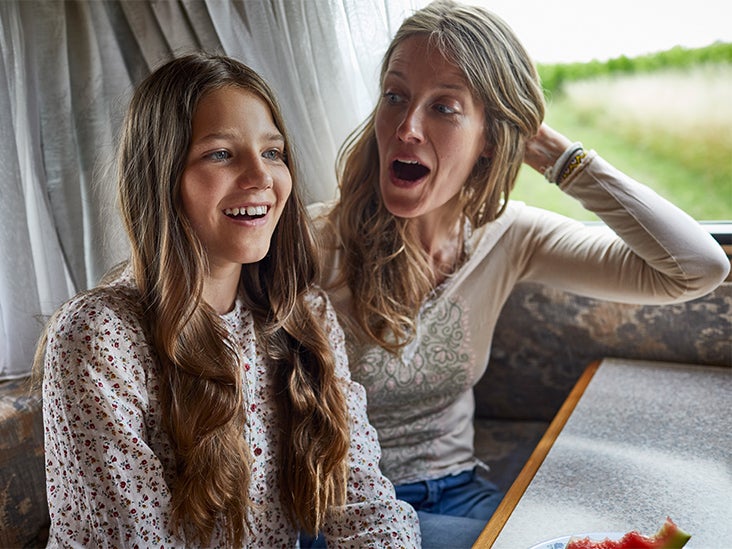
[(720, 230)]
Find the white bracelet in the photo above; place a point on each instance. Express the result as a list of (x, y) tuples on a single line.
[(552, 173)]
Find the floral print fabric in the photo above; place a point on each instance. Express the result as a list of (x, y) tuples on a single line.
[(109, 463)]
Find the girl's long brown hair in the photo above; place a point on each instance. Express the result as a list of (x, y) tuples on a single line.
[(201, 387), (379, 249)]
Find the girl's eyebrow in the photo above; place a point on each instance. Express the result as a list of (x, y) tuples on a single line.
[(276, 136), (213, 136), (223, 135)]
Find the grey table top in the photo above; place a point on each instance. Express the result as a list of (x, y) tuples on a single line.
[(646, 440)]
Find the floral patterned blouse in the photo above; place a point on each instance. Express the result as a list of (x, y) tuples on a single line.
[(109, 463)]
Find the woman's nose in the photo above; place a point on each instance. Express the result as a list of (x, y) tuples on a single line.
[(411, 128)]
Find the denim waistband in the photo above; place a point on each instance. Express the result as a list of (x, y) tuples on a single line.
[(426, 491)]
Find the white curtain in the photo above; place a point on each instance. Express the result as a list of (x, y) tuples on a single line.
[(67, 69)]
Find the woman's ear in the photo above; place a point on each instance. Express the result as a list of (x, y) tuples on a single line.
[(489, 146), (487, 152)]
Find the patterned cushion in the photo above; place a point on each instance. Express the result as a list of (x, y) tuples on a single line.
[(545, 338), (23, 510)]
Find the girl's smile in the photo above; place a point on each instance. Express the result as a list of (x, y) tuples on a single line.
[(236, 182)]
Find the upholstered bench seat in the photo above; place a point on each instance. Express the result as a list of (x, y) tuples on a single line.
[(23, 510), (544, 340)]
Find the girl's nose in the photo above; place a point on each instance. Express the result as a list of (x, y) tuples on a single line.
[(255, 175), (411, 129)]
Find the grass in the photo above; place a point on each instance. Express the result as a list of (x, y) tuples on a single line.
[(671, 130)]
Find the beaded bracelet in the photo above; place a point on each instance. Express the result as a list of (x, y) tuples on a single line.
[(572, 165), (556, 173)]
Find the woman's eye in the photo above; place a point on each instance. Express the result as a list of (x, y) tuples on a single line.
[(444, 109), (219, 155), (392, 98)]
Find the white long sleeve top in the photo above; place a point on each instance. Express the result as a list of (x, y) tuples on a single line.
[(109, 464), (421, 399)]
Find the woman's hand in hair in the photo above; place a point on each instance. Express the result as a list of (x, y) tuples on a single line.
[(543, 150)]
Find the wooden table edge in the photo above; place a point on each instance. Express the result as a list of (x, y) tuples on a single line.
[(490, 533)]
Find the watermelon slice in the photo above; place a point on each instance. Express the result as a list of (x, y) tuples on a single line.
[(669, 536)]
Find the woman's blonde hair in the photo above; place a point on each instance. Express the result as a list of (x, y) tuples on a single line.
[(201, 389), (379, 250)]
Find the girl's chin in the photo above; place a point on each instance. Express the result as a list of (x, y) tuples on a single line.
[(255, 252)]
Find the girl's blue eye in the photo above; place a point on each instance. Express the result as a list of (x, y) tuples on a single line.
[(219, 155), (273, 154), (444, 109)]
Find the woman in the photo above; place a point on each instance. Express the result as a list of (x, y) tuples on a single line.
[(202, 396), (423, 246)]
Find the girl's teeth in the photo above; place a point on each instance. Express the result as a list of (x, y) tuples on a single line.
[(251, 211)]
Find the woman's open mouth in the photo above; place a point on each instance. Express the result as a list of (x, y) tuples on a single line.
[(408, 172)]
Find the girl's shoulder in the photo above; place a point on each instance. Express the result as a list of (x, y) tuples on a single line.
[(115, 303), (317, 301)]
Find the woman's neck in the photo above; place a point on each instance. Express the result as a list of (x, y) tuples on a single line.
[(441, 237)]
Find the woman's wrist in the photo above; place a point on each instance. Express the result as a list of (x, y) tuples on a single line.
[(567, 162), (545, 148)]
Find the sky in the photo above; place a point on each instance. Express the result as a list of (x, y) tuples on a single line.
[(558, 31)]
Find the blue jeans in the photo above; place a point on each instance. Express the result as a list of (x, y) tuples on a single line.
[(452, 510), (448, 532), (466, 494)]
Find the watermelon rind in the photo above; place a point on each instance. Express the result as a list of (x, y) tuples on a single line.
[(671, 536)]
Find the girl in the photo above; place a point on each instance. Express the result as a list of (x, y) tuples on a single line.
[(201, 397)]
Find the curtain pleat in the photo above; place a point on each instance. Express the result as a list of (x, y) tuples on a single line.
[(33, 273)]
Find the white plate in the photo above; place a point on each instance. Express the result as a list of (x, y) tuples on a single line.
[(561, 543)]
